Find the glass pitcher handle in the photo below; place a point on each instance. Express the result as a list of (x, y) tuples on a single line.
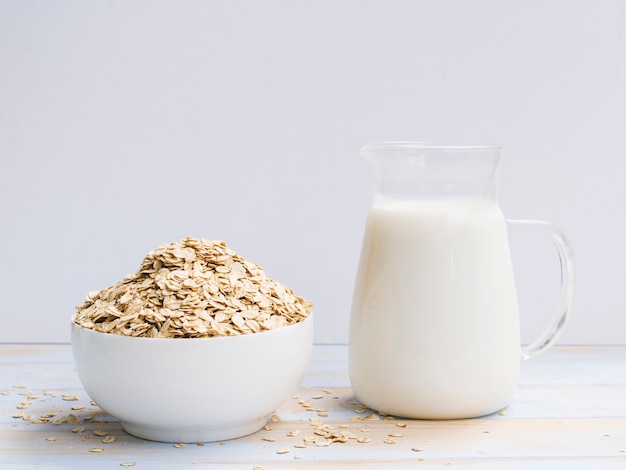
[(566, 259)]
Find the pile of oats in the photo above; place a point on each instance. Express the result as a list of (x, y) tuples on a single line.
[(192, 289)]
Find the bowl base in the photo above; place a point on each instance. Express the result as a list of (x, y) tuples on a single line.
[(194, 434)]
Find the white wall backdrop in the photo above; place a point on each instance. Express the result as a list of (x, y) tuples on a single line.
[(125, 124)]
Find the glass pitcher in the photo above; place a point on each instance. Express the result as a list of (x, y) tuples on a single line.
[(434, 327)]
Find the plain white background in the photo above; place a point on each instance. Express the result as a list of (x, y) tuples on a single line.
[(125, 124)]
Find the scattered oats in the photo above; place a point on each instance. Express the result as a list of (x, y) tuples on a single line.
[(69, 397), (305, 403), (180, 445), (93, 403), (128, 464), (40, 420), (330, 434), (268, 427), (322, 413), (19, 386), (388, 418), (100, 433), (26, 392), (363, 429), (70, 419), (89, 417), (395, 434), (284, 450), (486, 432), (78, 407), (192, 289), (293, 433), (390, 441), (222, 443), (108, 439), (363, 440), (49, 393), (401, 425), (275, 418), (28, 417), (344, 425), (6, 392), (360, 410), (73, 419), (371, 418), (22, 406), (52, 438), (317, 397), (327, 391), (200, 444), (300, 446), (416, 449), (77, 430), (96, 449), (295, 396), (19, 414), (257, 467), (269, 439), (502, 412)]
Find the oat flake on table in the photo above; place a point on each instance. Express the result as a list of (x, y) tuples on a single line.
[(193, 288)]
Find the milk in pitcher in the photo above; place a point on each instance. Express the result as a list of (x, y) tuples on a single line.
[(434, 328)]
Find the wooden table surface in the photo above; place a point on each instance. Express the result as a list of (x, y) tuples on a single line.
[(569, 412)]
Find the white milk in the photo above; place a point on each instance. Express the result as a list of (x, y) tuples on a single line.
[(434, 328)]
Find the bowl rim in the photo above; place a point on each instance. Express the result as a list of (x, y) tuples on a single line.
[(73, 324)]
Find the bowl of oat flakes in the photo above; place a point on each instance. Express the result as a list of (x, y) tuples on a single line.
[(197, 345)]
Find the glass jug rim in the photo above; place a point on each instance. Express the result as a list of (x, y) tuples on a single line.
[(401, 145)]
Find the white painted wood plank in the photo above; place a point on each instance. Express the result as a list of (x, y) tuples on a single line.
[(499, 440), (570, 410)]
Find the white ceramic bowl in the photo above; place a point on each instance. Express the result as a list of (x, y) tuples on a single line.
[(196, 389)]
